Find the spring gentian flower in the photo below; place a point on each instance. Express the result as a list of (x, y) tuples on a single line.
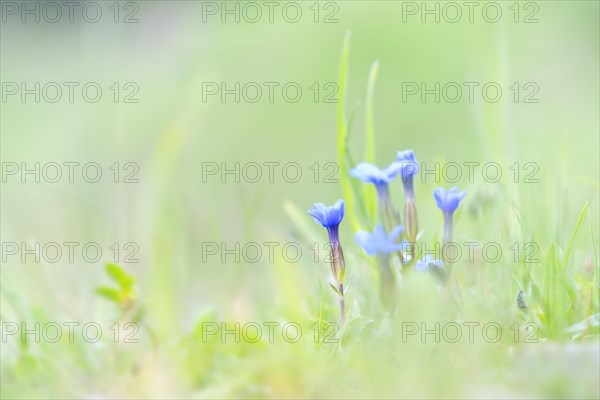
[(381, 244), (330, 217), (448, 201), (370, 173), (431, 264), (409, 168), (378, 242), (411, 165), (381, 178)]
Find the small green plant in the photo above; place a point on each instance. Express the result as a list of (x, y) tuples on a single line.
[(123, 294)]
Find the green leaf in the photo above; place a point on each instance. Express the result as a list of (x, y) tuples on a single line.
[(574, 235), (357, 190), (555, 294), (347, 287), (591, 323), (350, 124), (369, 194), (536, 293), (335, 289), (353, 329), (321, 319), (571, 287), (109, 293), (595, 252), (120, 276), (303, 222), (342, 134)]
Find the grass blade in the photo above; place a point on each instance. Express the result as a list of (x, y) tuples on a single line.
[(303, 222), (554, 295), (574, 235), (369, 194), (342, 133), (596, 264)]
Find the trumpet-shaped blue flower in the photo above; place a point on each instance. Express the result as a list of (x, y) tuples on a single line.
[(381, 244), (448, 200), (406, 155), (409, 168), (370, 173), (430, 264), (330, 216), (409, 164), (381, 178), (378, 242)]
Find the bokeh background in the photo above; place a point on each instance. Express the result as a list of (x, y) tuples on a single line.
[(172, 132)]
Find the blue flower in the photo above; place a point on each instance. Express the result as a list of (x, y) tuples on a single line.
[(409, 164), (406, 155), (448, 200), (370, 173), (379, 242), (329, 217), (408, 169), (429, 263)]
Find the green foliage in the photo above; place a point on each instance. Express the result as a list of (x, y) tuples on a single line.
[(555, 295), (369, 195), (124, 294), (342, 134), (121, 277)]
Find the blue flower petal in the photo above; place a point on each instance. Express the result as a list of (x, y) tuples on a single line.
[(328, 216), (379, 242), (410, 165), (396, 232), (448, 200), (317, 212), (335, 213), (392, 170), (408, 168), (370, 173), (428, 263), (363, 239), (406, 155)]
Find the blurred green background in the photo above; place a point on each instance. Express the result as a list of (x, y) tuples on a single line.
[(171, 133)]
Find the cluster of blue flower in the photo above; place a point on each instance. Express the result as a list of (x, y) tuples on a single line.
[(391, 236)]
